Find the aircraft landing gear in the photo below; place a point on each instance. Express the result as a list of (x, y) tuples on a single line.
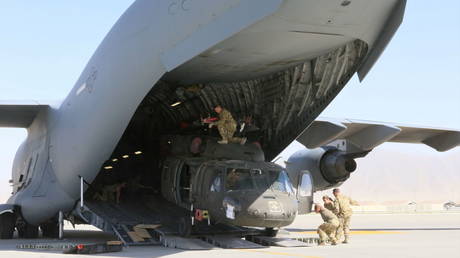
[(50, 229), (185, 226), (7, 221), (271, 232), (26, 230)]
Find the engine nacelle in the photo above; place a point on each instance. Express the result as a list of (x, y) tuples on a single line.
[(328, 166)]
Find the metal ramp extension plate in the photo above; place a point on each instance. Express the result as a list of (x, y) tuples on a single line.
[(278, 241), (230, 242), (185, 243), (122, 222)]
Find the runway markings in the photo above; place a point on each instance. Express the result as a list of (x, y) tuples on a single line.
[(277, 253), (360, 232)]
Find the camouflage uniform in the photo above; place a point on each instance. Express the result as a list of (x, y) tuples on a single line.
[(329, 227), (342, 204), (332, 207), (232, 178), (227, 127), (109, 193)]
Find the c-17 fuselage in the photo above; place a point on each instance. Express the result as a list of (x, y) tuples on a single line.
[(165, 63)]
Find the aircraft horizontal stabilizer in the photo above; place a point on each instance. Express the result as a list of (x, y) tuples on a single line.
[(366, 135), (19, 114)]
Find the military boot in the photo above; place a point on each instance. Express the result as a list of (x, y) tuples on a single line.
[(222, 142)]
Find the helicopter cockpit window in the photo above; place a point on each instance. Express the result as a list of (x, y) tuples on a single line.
[(216, 185), (260, 178), (280, 182), (238, 179)]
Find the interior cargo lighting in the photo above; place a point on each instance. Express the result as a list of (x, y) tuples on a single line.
[(138, 152), (176, 104), (125, 156), (108, 167), (114, 160)]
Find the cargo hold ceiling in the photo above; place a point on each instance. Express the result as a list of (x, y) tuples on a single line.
[(281, 104)]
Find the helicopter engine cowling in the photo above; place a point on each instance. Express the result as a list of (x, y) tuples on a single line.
[(328, 166)]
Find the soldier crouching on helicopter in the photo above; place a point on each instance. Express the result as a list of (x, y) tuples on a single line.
[(226, 126), (328, 229)]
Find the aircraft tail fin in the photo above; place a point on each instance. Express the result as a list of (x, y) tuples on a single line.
[(19, 114)]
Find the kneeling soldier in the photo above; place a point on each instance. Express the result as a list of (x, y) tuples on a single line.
[(226, 126), (328, 229)]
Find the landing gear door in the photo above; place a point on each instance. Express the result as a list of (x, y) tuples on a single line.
[(305, 192)]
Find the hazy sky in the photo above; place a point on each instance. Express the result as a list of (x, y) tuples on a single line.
[(45, 45)]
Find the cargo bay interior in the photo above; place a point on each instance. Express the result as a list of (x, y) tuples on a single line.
[(273, 107)]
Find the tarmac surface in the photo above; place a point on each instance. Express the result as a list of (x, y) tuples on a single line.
[(373, 235)]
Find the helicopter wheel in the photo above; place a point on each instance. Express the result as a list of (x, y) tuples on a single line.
[(271, 232)]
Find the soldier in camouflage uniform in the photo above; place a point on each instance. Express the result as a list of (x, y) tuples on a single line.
[(111, 193), (226, 126), (329, 204), (342, 204), (328, 229)]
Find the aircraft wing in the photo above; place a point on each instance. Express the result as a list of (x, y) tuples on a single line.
[(366, 135), (19, 114)]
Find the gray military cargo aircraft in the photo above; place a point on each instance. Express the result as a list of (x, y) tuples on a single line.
[(129, 125)]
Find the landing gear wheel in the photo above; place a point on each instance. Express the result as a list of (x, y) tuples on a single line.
[(7, 221), (271, 232), (50, 229), (185, 226), (28, 231)]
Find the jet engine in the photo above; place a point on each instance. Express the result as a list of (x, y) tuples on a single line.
[(328, 166)]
